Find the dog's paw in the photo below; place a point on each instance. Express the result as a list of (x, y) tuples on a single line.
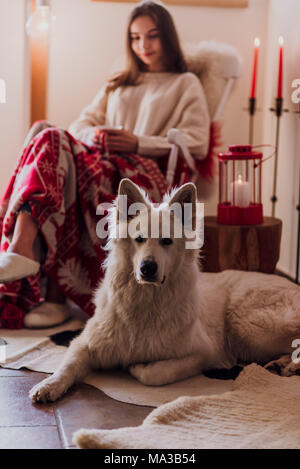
[(48, 390), (283, 366), (137, 371), (147, 374), (291, 369), (278, 366)]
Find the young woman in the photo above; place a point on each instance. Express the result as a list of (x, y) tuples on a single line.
[(62, 176)]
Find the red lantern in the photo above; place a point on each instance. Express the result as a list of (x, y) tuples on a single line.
[(240, 192)]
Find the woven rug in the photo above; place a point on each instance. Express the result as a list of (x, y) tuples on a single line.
[(43, 350), (262, 411)]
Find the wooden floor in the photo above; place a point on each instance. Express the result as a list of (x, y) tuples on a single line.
[(51, 426)]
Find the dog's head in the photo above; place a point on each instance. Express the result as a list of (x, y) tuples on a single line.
[(157, 238)]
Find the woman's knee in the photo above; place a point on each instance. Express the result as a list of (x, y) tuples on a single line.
[(40, 125), (35, 129), (52, 131)]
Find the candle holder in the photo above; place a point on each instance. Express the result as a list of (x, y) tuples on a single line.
[(251, 110), (240, 190), (278, 110)]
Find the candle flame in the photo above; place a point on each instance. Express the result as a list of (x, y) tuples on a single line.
[(280, 40), (257, 42), (240, 179)]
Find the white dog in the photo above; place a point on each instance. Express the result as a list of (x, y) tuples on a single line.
[(160, 317)]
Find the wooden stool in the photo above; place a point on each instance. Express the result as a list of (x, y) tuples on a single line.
[(241, 247)]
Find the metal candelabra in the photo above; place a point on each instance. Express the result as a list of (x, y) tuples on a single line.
[(278, 111), (251, 109)]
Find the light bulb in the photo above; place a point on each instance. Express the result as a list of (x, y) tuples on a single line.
[(39, 23)]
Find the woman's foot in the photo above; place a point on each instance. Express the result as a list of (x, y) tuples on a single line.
[(47, 314), (15, 266), (54, 310)]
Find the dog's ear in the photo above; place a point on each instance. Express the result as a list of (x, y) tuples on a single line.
[(186, 194), (133, 192), (133, 195)]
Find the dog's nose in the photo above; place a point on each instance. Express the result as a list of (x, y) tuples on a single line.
[(148, 268)]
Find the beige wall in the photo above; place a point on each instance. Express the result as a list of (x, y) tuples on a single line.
[(283, 20), (14, 114)]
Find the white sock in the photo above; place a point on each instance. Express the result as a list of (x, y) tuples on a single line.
[(47, 314)]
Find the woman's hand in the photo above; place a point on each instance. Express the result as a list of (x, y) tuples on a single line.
[(121, 140)]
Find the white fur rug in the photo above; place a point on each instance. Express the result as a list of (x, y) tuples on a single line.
[(35, 350), (262, 411)]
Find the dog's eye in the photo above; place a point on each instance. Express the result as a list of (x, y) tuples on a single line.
[(139, 239), (166, 241)]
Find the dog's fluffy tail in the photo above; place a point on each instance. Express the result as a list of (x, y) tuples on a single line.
[(90, 439)]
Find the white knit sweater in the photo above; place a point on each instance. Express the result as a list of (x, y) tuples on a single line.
[(160, 102)]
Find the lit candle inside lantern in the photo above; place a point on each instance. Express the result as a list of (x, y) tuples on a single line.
[(241, 190), (254, 70), (279, 88)]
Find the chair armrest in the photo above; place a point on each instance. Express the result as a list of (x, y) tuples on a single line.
[(175, 137)]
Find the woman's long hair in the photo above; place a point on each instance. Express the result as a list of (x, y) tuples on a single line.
[(173, 56)]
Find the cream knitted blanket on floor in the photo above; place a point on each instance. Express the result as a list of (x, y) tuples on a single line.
[(262, 411)]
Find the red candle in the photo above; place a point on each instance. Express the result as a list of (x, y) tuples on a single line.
[(254, 70), (279, 88)]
